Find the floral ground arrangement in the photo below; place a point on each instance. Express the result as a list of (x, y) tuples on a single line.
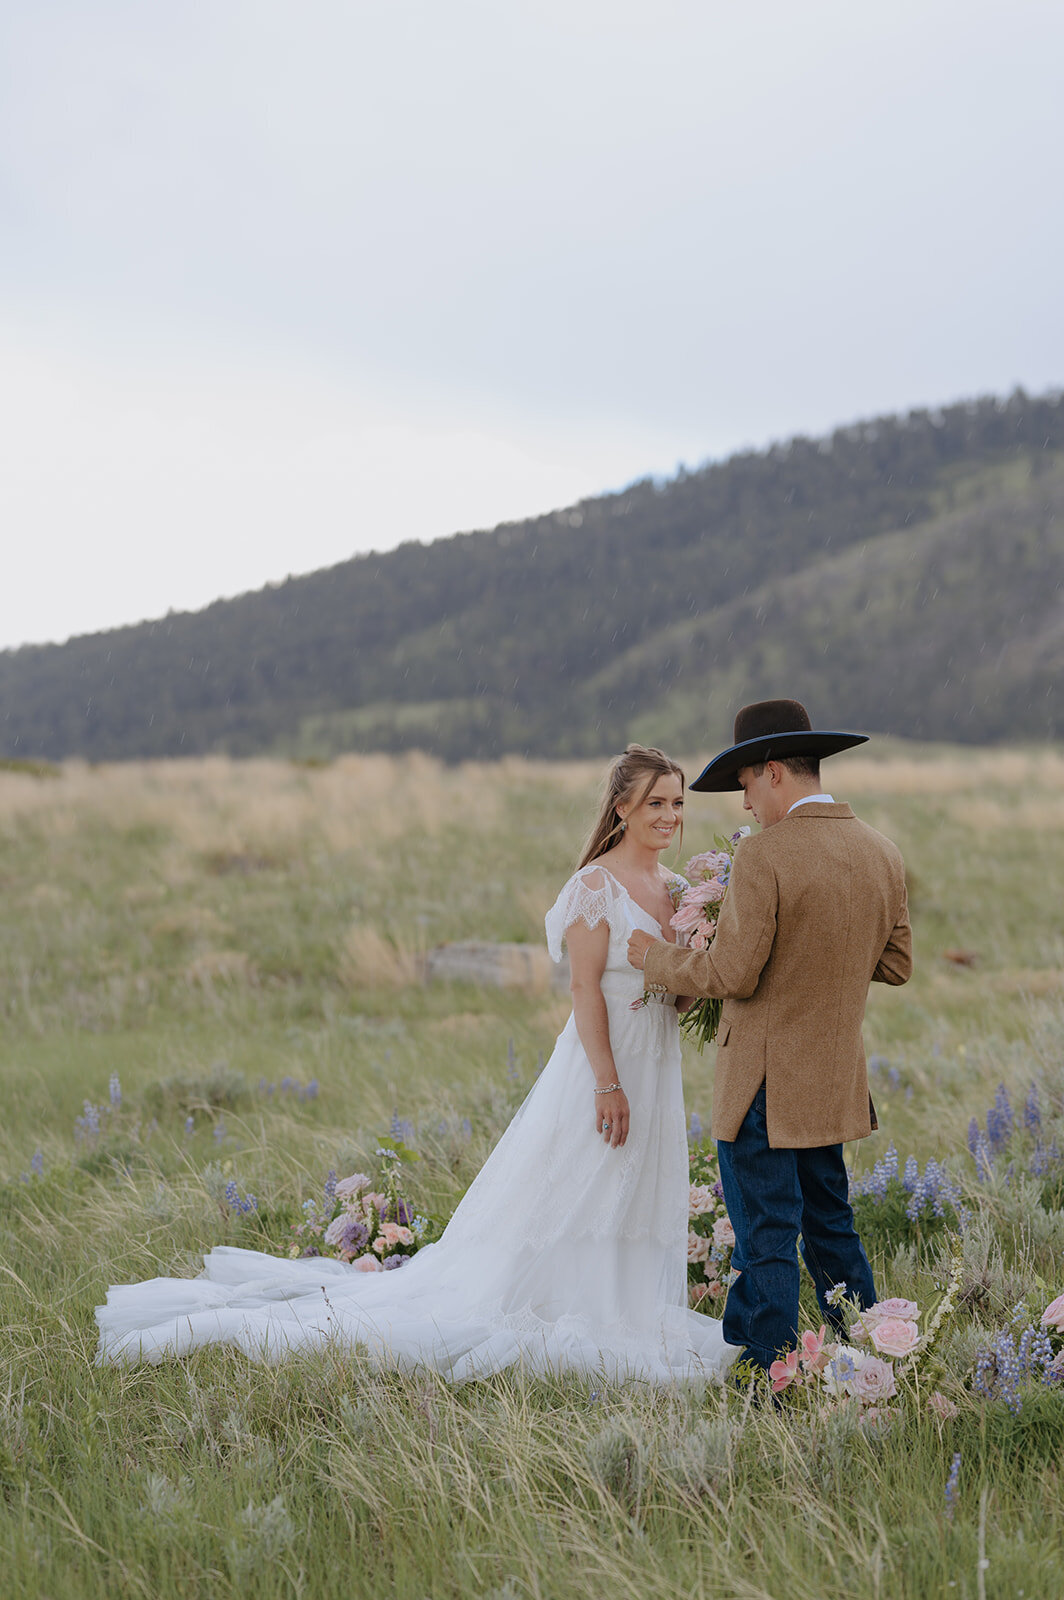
[(214, 1032)]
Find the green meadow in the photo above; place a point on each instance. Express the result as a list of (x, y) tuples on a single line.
[(212, 972)]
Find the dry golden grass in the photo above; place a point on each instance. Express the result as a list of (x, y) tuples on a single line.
[(368, 960)]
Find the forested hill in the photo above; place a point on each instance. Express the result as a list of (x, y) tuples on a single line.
[(904, 575)]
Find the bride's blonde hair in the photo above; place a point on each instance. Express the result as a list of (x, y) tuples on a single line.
[(628, 782)]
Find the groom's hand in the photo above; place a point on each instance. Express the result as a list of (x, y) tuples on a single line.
[(638, 945)]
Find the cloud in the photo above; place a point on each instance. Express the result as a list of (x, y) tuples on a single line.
[(139, 482)]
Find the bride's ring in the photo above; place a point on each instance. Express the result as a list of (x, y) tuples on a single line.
[(605, 1127)]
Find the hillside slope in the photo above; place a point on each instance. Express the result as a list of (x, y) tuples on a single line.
[(902, 574)]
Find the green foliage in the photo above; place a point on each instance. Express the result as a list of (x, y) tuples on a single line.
[(885, 1224)]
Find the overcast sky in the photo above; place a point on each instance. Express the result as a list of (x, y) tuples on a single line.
[(285, 280)]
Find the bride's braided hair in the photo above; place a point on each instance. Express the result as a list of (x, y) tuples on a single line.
[(628, 782)]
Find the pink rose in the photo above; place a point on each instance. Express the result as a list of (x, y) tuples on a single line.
[(350, 1188), (366, 1264), (704, 894), (699, 942), (374, 1202), (907, 1310), (698, 1291), (710, 861), (715, 1290), (895, 1337), (686, 917), (701, 1200), (873, 1380), (940, 1407), (697, 1247), (1053, 1315), (723, 1234)]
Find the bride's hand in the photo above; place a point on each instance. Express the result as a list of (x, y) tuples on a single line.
[(612, 1117), (684, 1002)]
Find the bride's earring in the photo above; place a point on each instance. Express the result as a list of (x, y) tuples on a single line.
[(623, 825)]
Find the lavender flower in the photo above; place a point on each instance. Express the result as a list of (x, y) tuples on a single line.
[(1000, 1120), (392, 1262), (234, 1201), (115, 1089), (951, 1486), (348, 1234), (87, 1126)]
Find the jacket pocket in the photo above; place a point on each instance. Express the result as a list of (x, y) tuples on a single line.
[(722, 1035)]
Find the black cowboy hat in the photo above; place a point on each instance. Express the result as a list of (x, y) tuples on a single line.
[(770, 730)]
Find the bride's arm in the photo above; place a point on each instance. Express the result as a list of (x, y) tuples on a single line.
[(588, 950)]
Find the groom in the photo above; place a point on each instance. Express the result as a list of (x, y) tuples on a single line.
[(815, 910)]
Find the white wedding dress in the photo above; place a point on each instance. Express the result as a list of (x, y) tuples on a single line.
[(564, 1255)]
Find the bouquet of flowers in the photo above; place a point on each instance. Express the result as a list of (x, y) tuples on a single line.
[(696, 916), (710, 1235), (375, 1229), (886, 1342)]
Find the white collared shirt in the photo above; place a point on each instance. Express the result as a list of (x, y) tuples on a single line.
[(812, 800)]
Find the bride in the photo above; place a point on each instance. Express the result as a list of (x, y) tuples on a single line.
[(568, 1251)]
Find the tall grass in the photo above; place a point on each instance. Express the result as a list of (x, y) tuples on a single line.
[(241, 944)]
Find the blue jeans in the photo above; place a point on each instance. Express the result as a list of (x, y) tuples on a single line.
[(773, 1196)]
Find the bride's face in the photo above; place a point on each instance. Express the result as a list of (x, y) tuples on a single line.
[(653, 823)]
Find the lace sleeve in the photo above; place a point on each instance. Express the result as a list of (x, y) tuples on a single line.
[(588, 897)]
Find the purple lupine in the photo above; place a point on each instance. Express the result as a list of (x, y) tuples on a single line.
[(974, 1132), (115, 1090), (984, 1158), (999, 1373), (87, 1125), (951, 1486), (1000, 1120), (1032, 1110), (37, 1163)]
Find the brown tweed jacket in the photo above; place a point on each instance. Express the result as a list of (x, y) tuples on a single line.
[(815, 911)]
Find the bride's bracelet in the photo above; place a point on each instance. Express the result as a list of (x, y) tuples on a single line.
[(608, 1089)]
